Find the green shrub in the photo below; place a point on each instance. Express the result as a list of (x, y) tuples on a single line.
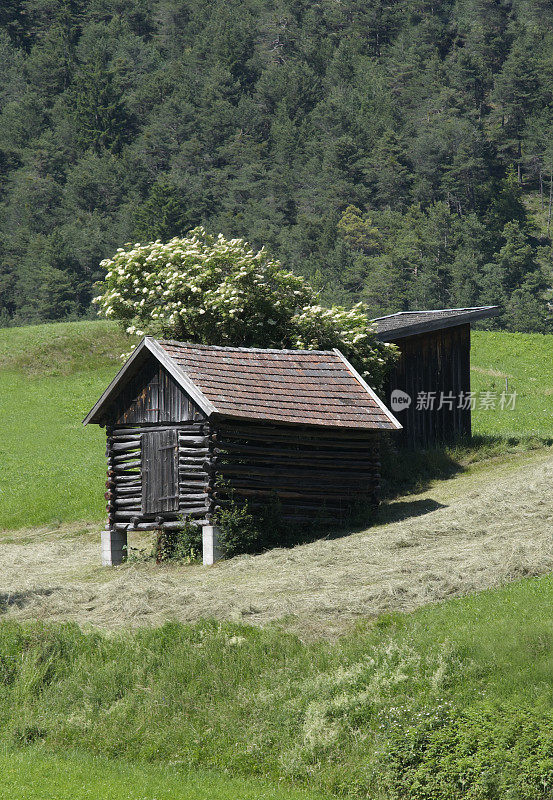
[(482, 752), (241, 531), (244, 530), (183, 545)]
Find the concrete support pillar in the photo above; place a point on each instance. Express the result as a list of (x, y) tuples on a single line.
[(211, 548), (114, 547)]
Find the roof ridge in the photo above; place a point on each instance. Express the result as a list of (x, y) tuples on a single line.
[(433, 311), (241, 349)]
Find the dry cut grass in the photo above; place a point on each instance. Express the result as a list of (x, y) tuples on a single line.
[(477, 530)]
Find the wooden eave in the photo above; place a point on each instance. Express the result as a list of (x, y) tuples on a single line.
[(428, 325)]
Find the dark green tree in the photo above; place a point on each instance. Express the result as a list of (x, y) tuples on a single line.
[(100, 116)]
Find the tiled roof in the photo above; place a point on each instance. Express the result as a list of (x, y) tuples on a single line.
[(409, 323), (292, 386)]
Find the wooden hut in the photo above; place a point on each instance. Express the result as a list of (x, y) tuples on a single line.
[(188, 423), (429, 387)]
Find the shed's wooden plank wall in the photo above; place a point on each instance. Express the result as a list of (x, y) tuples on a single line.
[(152, 395), (438, 361), (310, 471)]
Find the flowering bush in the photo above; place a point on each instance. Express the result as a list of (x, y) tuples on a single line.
[(213, 290)]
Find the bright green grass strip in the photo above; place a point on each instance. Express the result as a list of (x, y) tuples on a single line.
[(52, 469), (526, 361), (35, 775)]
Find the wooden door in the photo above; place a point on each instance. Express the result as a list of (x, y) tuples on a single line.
[(160, 471)]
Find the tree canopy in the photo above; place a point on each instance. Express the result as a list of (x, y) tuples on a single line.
[(383, 149), (212, 290)]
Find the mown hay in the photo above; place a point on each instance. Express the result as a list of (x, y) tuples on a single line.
[(479, 530)]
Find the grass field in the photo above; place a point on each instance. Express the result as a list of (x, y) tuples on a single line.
[(525, 361), (52, 469), (33, 774), (334, 688), (470, 532), (453, 701)]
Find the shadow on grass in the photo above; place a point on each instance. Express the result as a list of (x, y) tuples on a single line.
[(403, 472), (399, 511), (21, 599), (407, 471), (412, 471)]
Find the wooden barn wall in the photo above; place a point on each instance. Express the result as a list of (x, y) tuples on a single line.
[(153, 396), (438, 361), (125, 488), (309, 471)]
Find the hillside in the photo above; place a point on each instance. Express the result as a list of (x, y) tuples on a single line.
[(365, 665), (468, 533), (396, 152), (52, 469), (451, 702), (522, 363)]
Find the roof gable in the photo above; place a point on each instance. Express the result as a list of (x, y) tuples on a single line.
[(409, 323), (307, 387)]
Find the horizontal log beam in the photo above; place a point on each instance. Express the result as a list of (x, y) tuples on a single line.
[(295, 433), (125, 457), (292, 472), (122, 447), (272, 492), (284, 456), (287, 446)]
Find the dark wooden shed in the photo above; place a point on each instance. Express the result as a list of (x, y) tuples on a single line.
[(188, 423), (429, 387)]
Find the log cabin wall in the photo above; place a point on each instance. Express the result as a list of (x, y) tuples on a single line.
[(158, 454), (309, 471), (127, 479), (436, 361)]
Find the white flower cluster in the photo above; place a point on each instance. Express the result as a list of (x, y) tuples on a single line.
[(214, 290)]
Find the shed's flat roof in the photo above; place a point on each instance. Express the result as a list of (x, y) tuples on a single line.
[(409, 323), (306, 387)]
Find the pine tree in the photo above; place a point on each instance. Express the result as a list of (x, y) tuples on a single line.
[(101, 119)]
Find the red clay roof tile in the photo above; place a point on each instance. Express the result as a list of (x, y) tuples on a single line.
[(310, 387)]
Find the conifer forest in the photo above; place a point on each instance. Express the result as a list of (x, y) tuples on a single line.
[(395, 153)]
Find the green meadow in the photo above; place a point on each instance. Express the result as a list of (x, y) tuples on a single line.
[(52, 469), (37, 775), (520, 363), (448, 702), (452, 701)]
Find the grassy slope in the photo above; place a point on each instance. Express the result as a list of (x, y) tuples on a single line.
[(51, 468), (455, 691), (525, 360), (36, 775), (454, 700), (471, 532)]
